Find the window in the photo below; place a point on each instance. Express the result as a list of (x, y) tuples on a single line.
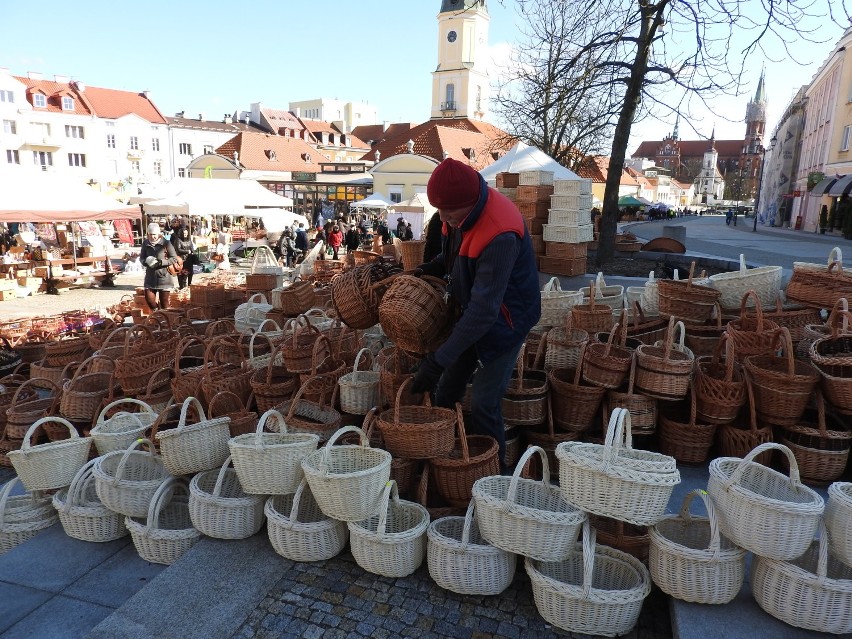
[(110, 140), (844, 141), (208, 148), (39, 100), (12, 156), (451, 93), (184, 148), (155, 144), (110, 123), (74, 131), (43, 158), (158, 167), (76, 159), (67, 103), (181, 172), (7, 96), (10, 127), (134, 142), (134, 166)]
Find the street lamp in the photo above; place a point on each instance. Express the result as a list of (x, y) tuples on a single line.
[(763, 150)]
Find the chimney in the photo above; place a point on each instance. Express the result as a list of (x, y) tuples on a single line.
[(227, 119), (385, 126), (200, 116), (34, 75), (145, 94), (179, 114), (79, 86), (297, 112), (61, 79)]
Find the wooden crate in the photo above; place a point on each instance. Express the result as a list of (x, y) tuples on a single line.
[(538, 244), (507, 180), (541, 210), (7, 295), (263, 281), (562, 266), (530, 193), (535, 225), (566, 251)]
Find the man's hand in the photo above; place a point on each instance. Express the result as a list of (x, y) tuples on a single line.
[(435, 269), (427, 376)]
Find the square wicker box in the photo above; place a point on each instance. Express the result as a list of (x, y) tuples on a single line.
[(537, 243), (581, 186), (507, 180), (511, 193), (570, 234), (564, 250), (535, 178), (562, 265), (534, 209), (263, 281), (575, 202), (569, 217), (206, 294), (527, 193), (535, 225)]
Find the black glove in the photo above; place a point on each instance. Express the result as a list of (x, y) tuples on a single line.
[(435, 269), (428, 374)]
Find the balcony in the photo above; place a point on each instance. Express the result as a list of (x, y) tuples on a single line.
[(41, 141), (448, 108), (135, 154)]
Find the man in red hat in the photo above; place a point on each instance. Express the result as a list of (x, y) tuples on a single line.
[(488, 260)]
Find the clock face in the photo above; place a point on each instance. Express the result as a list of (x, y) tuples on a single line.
[(451, 36)]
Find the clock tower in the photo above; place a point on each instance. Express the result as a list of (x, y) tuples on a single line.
[(460, 85)]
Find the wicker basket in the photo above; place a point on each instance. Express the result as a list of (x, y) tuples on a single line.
[(83, 394), (782, 385), (356, 303), (525, 401), (359, 389), (593, 316), (167, 532), (417, 432), (81, 512), (227, 404), (574, 403), (473, 457), (612, 296), (751, 335), (733, 440), (597, 591), (793, 317), (299, 531), (634, 540), (690, 560), (643, 409), (118, 430), (193, 448), (819, 286), (813, 591), (686, 300), (126, 480), (64, 349), (22, 517), (527, 517), (270, 463), (461, 561), (391, 542), (220, 508), (665, 370), (687, 441), (306, 416), (614, 480), (560, 347), (51, 465), (274, 384), (347, 481), (26, 407), (763, 281), (556, 304), (646, 329), (606, 364), (719, 386), (838, 520), (413, 312), (702, 339), (762, 510)]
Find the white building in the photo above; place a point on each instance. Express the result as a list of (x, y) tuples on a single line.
[(190, 138), (344, 115)]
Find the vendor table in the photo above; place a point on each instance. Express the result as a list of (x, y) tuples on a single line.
[(106, 275)]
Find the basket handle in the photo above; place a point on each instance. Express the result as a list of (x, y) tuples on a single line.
[(160, 499), (599, 284), (217, 489), (589, 544), (618, 435), (294, 508), (4, 496), (125, 400), (542, 347), (365, 442), (29, 382), (168, 372), (26, 445), (743, 267), (119, 471), (592, 295), (294, 402), (745, 461), (181, 349), (468, 524), (752, 407), (758, 311), (357, 363), (783, 341), (579, 368), (631, 380), (462, 432), (691, 274), (398, 401), (185, 409), (78, 486), (211, 412), (553, 285), (519, 365), (315, 351), (715, 538), (391, 492), (512, 495), (668, 340), (254, 336), (727, 343)]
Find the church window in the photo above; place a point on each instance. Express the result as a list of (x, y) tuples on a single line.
[(451, 93)]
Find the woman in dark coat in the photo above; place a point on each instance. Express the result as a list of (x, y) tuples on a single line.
[(185, 249), (157, 255)]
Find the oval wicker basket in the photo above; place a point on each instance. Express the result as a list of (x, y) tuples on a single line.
[(53, 464), (413, 312), (126, 480), (81, 512), (118, 430), (664, 371), (22, 517), (220, 508), (719, 386), (472, 457), (193, 448), (838, 520), (417, 432), (764, 281)]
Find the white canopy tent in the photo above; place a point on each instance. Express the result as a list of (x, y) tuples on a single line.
[(417, 210), (39, 196), (375, 201), (523, 157), (276, 220), (199, 196)]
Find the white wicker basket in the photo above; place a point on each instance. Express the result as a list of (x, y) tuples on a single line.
[(838, 520), (391, 542), (347, 481), (167, 532), (527, 517), (813, 591), (650, 300), (220, 508), (568, 234), (126, 480), (614, 480), (581, 186), (51, 465), (610, 295), (574, 202), (251, 314), (762, 510), (359, 389), (81, 512), (271, 463), (569, 217), (763, 280), (535, 178), (22, 517), (264, 262), (123, 428), (597, 591), (299, 530), (461, 561), (556, 303), (194, 448), (690, 560)]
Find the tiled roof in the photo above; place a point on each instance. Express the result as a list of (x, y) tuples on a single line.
[(320, 126), (590, 167), (455, 136), (374, 133), (110, 103), (254, 150), (690, 148), (278, 118), (210, 125), (54, 91)]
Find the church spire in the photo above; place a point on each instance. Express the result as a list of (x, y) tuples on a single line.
[(675, 134), (760, 94), (713, 138)]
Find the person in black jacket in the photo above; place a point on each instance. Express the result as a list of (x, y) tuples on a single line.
[(185, 249), (353, 239), (157, 255)]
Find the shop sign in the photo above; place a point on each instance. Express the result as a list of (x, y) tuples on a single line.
[(304, 176)]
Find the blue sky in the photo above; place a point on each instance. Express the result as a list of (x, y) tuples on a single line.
[(216, 58)]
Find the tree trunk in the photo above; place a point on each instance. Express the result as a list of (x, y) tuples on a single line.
[(652, 18)]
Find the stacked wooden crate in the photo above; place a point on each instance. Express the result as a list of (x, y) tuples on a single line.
[(530, 191), (208, 299), (569, 228)]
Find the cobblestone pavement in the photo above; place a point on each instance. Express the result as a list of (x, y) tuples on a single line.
[(337, 599)]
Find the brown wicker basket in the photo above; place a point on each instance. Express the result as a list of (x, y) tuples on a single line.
[(687, 441), (751, 334), (548, 439), (733, 440), (412, 253), (395, 367), (63, 349), (593, 317), (701, 339), (574, 403), (473, 457), (525, 400), (720, 389), (665, 370), (643, 409), (413, 313), (793, 317), (428, 497), (686, 300), (297, 351), (304, 416), (227, 404), (82, 394), (634, 540), (189, 365), (22, 413), (607, 364), (294, 299), (354, 299), (560, 347), (647, 330), (273, 384)]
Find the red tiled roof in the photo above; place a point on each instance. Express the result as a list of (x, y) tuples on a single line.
[(319, 126), (277, 118), (592, 168), (53, 91), (289, 152), (690, 148), (374, 133), (110, 103)]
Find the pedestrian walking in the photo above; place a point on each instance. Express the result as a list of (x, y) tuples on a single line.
[(157, 255), (185, 249)]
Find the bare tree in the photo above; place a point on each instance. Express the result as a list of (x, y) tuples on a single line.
[(666, 54), (568, 113)]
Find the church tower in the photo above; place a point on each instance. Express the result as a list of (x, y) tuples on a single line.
[(460, 85), (756, 119)]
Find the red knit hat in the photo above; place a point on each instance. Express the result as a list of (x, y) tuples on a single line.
[(453, 185)]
